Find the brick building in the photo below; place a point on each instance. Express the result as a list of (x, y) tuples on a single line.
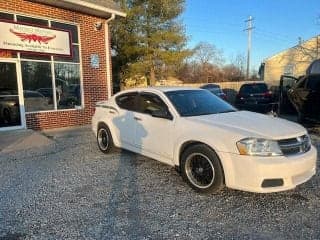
[(55, 61)]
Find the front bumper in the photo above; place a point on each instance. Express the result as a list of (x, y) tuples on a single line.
[(248, 173)]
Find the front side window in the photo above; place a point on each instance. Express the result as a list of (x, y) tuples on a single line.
[(197, 102), (150, 103), (127, 101)]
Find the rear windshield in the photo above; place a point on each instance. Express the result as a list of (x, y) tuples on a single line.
[(254, 88), (198, 102)]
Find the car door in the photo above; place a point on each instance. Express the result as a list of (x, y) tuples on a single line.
[(313, 97), (298, 95), (155, 126), (286, 83), (124, 122)]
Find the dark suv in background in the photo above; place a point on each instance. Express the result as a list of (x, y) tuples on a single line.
[(305, 96), (255, 97), (215, 89)]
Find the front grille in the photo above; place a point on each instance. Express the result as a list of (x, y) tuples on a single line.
[(293, 146)]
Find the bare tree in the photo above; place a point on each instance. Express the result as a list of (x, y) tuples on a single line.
[(205, 53), (310, 52), (239, 61), (208, 59)]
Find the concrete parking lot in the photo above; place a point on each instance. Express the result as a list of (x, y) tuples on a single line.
[(68, 189)]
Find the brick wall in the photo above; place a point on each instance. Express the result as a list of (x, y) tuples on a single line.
[(94, 80)]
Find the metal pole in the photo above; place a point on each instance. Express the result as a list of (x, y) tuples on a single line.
[(249, 29)]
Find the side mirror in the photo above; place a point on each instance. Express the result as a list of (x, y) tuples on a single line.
[(162, 114)]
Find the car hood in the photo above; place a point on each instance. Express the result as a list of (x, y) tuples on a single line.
[(250, 124)]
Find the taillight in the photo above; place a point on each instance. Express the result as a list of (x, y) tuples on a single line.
[(239, 96), (224, 96), (267, 94)]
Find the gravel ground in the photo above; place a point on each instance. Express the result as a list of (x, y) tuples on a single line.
[(70, 190)]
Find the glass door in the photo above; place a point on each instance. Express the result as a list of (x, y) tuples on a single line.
[(10, 100)]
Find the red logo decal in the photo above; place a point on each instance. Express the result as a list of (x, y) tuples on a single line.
[(33, 37)]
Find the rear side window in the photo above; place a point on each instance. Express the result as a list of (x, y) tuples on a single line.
[(127, 101), (149, 103), (253, 88), (314, 83)]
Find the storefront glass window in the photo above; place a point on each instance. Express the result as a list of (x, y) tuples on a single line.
[(68, 85), (37, 86), (33, 21), (6, 16), (72, 28), (7, 54), (35, 56), (49, 82), (75, 56)]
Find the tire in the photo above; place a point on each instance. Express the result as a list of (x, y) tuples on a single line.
[(201, 169), (104, 139)]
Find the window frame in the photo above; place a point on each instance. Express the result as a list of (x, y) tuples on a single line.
[(52, 61)]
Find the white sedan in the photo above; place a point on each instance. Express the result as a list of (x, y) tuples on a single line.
[(208, 141)]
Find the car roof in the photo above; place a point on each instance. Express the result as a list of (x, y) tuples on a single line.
[(210, 85), (254, 83), (160, 89)]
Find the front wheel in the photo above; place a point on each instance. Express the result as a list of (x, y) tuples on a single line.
[(104, 139), (201, 169)]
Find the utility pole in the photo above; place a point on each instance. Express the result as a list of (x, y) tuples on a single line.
[(249, 30)]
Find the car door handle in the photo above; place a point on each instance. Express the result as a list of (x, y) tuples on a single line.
[(137, 119), (112, 112)]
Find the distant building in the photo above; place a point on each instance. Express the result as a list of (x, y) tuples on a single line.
[(293, 61)]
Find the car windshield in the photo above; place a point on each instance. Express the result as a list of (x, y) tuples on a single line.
[(215, 90), (253, 88), (198, 102)]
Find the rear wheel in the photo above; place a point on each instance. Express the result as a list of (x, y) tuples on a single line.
[(104, 139), (201, 169)]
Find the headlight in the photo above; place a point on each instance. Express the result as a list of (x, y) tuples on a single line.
[(259, 147)]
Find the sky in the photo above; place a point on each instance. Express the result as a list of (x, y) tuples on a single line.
[(278, 25)]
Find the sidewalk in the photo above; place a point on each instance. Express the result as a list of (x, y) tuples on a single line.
[(25, 139), (21, 140)]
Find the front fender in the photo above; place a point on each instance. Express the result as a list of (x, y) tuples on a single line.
[(215, 142)]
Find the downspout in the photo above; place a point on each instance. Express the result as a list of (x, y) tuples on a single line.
[(108, 56)]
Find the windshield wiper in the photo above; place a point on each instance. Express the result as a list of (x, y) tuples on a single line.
[(227, 111)]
